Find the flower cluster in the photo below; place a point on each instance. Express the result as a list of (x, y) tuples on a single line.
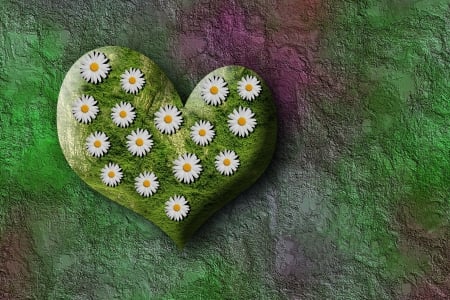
[(214, 90), (147, 184), (241, 122), (168, 120)]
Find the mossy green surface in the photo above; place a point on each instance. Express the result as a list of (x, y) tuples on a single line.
[(207, 194)]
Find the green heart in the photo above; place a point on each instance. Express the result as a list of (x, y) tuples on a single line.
[(211, 190)]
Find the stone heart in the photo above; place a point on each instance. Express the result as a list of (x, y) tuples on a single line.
[(125, 131)]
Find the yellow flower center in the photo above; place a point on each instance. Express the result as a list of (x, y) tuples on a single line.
[(111, 174), (187, 167), (202, 132), (139, 142), (249, 87), (168, 119), (123, 114), (97, 144), (242, 121), (146, 183), (84, 108), (94, 67), (226, 162), (214, 90), (132, 80), (176, 207)]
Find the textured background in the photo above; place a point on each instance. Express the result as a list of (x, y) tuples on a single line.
[(355, 205)]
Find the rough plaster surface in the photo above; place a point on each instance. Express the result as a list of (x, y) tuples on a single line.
[(354, 206)]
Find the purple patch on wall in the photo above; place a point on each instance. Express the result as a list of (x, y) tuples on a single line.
[(283, 52)]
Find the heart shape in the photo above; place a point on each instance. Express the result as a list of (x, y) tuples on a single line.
[(125, 131)]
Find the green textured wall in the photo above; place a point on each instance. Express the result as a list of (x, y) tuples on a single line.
[(355, 205)]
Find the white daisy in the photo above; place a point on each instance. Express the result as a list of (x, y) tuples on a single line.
[(241, 121), (214, 90), (97, 144), (94, 67), (249, 88), (168, 119), (146, 184), (202, 133), (139, 142), (111, 174), (227, 162), (187, 168), (123, 114), (132, 81), (177, 208), (85, 109)]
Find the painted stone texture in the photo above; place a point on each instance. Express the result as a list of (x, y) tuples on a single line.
[(355, 204)]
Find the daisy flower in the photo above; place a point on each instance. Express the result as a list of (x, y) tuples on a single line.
[(187, 168), (123, 114), (214, 90), (177, 208), (111, 174), (85, 109), (139, 142), (94, 67), (146, 184), (249, 88), (97, 144), (168, 119), (202, 133), (227, 162), (132, 81), (241, 121)]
